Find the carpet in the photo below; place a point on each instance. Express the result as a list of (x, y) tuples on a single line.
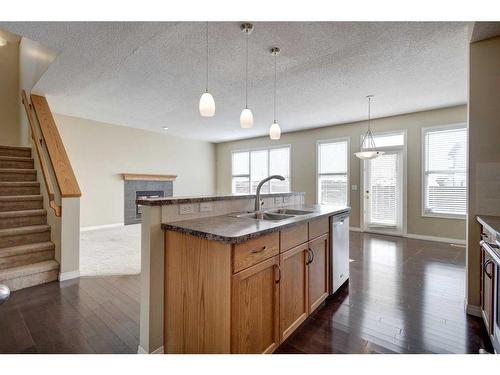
[(111, 251)]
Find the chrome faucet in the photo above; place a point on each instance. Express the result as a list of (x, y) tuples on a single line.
[(259, 186)]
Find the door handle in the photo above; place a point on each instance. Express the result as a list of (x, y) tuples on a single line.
[(311, 256), (259, 250), (279, 273), (485, 268)]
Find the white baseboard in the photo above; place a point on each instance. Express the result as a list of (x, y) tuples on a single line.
[(105, 226), (141, 350), (420, 237), (473, 310), (69, 275), (434, 238)]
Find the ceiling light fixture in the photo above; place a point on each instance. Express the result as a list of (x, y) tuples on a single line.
[(246, 117), (274, 130), (367, 146), (164, 127), (207, 102), (3, 41)]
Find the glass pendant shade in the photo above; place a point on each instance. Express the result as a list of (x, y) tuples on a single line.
[(370, 154), (3, 42), (207, 105), (275, 131), (367, 147), (246, 118)]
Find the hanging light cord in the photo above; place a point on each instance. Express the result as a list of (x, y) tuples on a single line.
[(369, 113), (206, 87), (275, 57), (246, 76)]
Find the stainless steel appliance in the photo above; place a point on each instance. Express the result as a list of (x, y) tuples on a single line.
[(339, 251)]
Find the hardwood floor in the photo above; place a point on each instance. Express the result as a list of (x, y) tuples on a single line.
[(404, 296)]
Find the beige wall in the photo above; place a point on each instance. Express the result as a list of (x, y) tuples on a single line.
[(484, 150), (9, 89), (304, 163), (34, 60), (100, 152)]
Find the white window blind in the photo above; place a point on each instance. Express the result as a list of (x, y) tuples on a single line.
[(333, 172), (250, 167), (382, 185), (445, 171)]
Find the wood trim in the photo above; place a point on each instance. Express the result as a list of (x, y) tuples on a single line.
[(149, 177), (41, 158), (65, 177)]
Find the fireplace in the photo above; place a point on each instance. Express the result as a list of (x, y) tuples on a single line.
[(142, 186), (146, 194)]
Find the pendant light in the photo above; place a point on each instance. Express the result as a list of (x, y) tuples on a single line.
[(367, 146), (207, 102), (274, 130), (246, 117)]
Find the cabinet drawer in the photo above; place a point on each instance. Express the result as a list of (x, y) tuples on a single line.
[(293, 236), (318, 227), (248, 253)]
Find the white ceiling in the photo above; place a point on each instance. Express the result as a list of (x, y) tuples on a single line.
[(149, 75)]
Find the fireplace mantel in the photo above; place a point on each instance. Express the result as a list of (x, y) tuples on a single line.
[(148, 177)]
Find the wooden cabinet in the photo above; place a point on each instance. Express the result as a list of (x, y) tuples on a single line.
[(294, 288), (248, 253), (318, 271), (255, 308), (318, 227), (243, 298), (293, 236), (487, 297)]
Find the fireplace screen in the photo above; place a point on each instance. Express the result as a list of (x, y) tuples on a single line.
[(145, 194)]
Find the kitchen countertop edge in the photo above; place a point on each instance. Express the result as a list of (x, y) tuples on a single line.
[(177, 227), (165, 201)]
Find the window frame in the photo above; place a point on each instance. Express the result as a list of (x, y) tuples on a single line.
[(424, 173), (268, 148), (348, 170)]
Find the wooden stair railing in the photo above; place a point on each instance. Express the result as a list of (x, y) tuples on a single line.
[(63, 172), (41, 158), (65, 177)]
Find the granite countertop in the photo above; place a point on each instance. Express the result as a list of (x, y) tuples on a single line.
[(231, 229), (492, 223), (211, 198)]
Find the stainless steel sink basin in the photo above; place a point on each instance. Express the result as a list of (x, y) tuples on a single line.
[(290, 211), (264, 216)]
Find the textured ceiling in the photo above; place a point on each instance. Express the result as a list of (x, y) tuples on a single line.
[(149, 75)]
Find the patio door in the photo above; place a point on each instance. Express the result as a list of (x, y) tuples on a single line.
[(383, 193)]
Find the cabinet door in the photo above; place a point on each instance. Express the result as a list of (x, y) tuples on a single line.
[(318, 271), (293, 289), (255, 308), (487, 297)]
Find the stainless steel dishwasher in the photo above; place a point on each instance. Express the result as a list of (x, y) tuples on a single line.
[(339, 251)]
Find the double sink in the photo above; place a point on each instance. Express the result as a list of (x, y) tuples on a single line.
[(272, 215)]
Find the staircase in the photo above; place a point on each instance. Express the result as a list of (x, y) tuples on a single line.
[(26, 252)]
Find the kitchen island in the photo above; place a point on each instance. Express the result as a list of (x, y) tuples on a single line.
[(244, 282)]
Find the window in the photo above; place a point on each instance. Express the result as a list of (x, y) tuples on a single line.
[(445, 171), (333, 171), (250, 167)]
